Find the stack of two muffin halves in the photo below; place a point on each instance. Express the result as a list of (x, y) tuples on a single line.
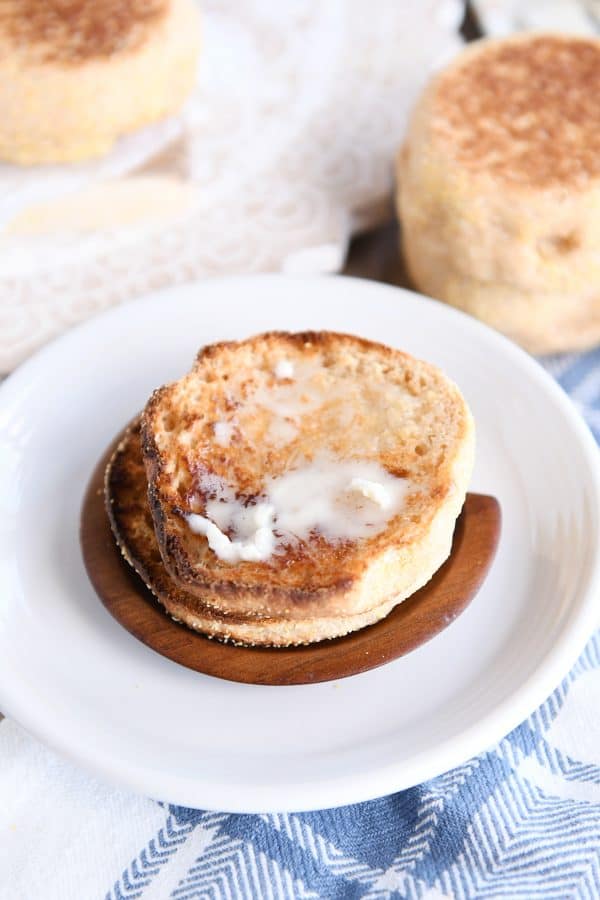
[(499, 189), (292, 487)]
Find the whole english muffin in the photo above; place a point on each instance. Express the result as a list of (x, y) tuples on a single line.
[(77, 74), (309, 475), (499, 185)]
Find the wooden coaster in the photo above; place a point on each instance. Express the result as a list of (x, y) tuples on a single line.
[(409, 625)]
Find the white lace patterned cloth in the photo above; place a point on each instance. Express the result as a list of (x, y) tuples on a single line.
[(284, 149)]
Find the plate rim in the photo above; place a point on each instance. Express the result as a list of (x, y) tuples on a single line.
[(387, 777)]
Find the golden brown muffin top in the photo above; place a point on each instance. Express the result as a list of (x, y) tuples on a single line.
[(73, 31), (526, 110)]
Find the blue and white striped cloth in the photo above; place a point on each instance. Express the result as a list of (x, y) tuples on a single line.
[(520, 821)]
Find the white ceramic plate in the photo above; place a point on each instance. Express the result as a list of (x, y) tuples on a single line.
[(77, 680)]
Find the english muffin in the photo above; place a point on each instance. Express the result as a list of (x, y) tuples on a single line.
[(499, 187), (77, 74), (305, 477)]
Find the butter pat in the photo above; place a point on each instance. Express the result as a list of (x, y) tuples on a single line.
[(372, 490), (223, 433), (284, 369)]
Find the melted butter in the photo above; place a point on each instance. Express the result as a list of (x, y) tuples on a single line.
[(322, 497), (295, 395), (338, 499), (284, 368)]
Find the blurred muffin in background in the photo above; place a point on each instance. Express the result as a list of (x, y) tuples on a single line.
[(499, 188), (77, 74)]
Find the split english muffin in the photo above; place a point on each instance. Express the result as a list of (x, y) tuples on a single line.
[(299, 486)]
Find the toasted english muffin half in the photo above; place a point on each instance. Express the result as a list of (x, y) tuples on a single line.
[(348, 459), (126, 500)]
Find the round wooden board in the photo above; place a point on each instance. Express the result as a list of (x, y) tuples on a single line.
[(409, 625)]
